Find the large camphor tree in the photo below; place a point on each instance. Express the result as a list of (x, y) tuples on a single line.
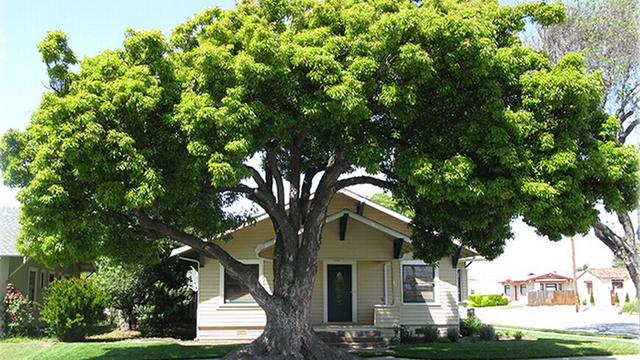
[(438, 99)]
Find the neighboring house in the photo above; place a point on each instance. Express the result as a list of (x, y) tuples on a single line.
[(24, 273), (366, 276), (605, 283), (517, 290)]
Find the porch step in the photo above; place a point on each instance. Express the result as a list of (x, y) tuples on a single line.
[(353, 339)]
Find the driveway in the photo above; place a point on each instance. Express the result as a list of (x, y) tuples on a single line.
[(597, 320)]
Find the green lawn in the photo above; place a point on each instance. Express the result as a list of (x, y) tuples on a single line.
[(534, 345), (129, 350)]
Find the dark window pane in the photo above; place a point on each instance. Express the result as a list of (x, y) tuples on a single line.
[(234, 291), (418, 283), (31, 295)]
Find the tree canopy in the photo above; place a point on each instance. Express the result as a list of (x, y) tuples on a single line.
[(469, 127)]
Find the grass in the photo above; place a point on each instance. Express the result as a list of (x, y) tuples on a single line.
[(534, 345), (110, 350)]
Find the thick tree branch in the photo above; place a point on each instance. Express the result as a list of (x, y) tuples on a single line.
[(238, 270), (356, 180), (628, 130), (608, 237), (306, 192), (272, 165)]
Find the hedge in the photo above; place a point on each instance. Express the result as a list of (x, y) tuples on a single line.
[(487, 300)]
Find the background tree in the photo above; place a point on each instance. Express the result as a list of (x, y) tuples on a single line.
[(607, 32), (470, 128), (388, 201)]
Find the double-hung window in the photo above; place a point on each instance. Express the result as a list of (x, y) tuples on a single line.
[(236, 293), (418, 283)]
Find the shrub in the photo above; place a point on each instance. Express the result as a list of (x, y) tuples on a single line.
[(626, 299), (18, 313), (452, 334), (487, 300), (616, 299), (518, 335), (72, 308), (154, 298), (592, 300), (584, 302), (487, 333), (630, 307), (430, 334), (403, 335), (470, 325)]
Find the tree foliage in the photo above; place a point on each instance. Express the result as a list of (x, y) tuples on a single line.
[(389, 202), (607, 32)]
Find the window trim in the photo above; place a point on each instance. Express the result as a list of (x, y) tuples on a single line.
[(436, 283), (261, 279), (507, 293), (526, 289), (35, 282)]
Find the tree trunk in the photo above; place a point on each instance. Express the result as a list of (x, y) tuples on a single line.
[(288, 334), (624, 247)]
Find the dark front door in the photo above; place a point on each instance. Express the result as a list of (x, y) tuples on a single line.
[(339, 293)]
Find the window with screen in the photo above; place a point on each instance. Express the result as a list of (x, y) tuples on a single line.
[(418, 283)]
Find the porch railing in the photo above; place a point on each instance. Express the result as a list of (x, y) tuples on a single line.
[(386, 316)]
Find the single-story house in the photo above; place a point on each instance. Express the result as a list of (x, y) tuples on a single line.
[(604, 284), (366, 276), (517, 289)]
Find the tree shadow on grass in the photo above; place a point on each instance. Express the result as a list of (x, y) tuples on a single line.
[(134, 351), (514, 349)]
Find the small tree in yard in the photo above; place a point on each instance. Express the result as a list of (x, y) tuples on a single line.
[(466, 126)]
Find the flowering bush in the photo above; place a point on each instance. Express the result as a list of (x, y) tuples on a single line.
[(18, 313)]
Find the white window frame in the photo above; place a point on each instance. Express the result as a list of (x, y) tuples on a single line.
[(354, 288), (436, 281), (35, 285), (261, 279)]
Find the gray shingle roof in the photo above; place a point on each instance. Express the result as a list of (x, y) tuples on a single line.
[(9, 230)]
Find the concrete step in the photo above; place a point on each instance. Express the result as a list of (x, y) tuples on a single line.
[(353, 339)]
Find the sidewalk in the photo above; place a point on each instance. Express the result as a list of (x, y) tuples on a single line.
[(618, 357)]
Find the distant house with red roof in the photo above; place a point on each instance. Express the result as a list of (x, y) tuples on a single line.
[(517, 289), (604, 284)]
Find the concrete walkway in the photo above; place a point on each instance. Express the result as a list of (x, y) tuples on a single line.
[(619, 357), (597, 320)]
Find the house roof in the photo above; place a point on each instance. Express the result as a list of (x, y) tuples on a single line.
[(9, 227), (468, 251), (531, 277), (607, 273)]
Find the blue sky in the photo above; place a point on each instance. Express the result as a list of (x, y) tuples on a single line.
[(93, 26)]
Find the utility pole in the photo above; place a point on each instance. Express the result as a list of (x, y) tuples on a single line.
[(575, 278)]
